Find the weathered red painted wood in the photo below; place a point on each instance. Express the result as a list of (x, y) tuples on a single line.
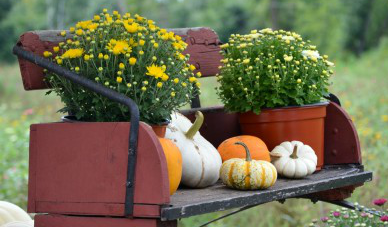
[(203, 47), (342, 145), (115, 209), (86, 163), (32, 75), (218, 124), (83, 221)]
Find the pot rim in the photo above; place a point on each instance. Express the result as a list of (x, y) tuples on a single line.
[(313, 105), (73, 119)]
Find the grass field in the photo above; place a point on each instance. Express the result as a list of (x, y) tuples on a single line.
[(360, 83)]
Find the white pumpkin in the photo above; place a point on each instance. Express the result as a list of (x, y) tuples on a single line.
[(19, 224), (10, 213), (201, 161), (294, 159)]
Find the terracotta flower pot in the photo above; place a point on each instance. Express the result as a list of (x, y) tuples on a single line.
[(160, 130), (274, 126)]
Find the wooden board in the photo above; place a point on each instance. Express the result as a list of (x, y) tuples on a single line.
[(203, 47), (85, 221), (189, 202), (80, 168)]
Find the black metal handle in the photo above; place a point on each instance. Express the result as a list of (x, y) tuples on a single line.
[(108, 93)]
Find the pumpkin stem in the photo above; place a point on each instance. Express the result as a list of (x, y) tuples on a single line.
[(294, 155), (248, 159), (275, 155), (196, 126)]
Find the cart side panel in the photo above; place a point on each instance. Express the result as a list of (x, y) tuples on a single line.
[(218, 125), (342, 145), (86, 163), (202, 46), (77, 221)]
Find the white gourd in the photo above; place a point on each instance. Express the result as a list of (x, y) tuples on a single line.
[(201, 161), (19, 224), (294, 159), (10, 213)]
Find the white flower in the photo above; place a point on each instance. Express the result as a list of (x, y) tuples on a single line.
[(287, 37), (266, 30), (255, 36), (329, 63), (288, 58), (311, 54)]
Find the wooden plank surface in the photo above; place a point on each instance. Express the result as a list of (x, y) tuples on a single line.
[(190, 202)]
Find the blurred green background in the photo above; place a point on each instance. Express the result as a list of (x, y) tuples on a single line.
[(354, 33)]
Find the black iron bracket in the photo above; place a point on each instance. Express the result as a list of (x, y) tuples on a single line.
[(108, 93)]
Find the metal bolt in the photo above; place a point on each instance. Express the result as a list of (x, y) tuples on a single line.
[(334, 152), (129, 184), (335, 131)]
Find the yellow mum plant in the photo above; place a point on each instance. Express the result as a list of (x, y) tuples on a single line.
[(130, 55)]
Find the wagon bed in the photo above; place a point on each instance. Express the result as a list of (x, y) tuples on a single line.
[(189, 202), (87, 199)]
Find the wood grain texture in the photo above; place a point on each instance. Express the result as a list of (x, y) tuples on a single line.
[(342, 145), (203, 47), (76, 165), (79, 221), (189, 202)]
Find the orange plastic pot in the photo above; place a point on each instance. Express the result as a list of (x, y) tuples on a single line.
[(160, 130), (302, 123)]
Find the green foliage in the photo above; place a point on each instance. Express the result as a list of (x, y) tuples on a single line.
[(269, 69), (130, 55), (14, 148), (362, 216)]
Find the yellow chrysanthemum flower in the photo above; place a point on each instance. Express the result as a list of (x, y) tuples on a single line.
[(131, 28), (47, 54), (132, 61), (56, 49), (155, 71), (121, 66), (119, 79), (73, 53), (119, 47), (79, 32)]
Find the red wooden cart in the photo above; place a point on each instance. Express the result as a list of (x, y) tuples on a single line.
[(91, 174)]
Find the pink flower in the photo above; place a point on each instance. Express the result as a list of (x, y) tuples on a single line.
[(364, 214), (384, 218), (324, 219), (28, 111), (346, 216), (379, 202), (336, 214)]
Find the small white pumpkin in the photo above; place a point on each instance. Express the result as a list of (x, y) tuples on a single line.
[(201, 161), (19, 224), (10, 212), (294, 159)]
